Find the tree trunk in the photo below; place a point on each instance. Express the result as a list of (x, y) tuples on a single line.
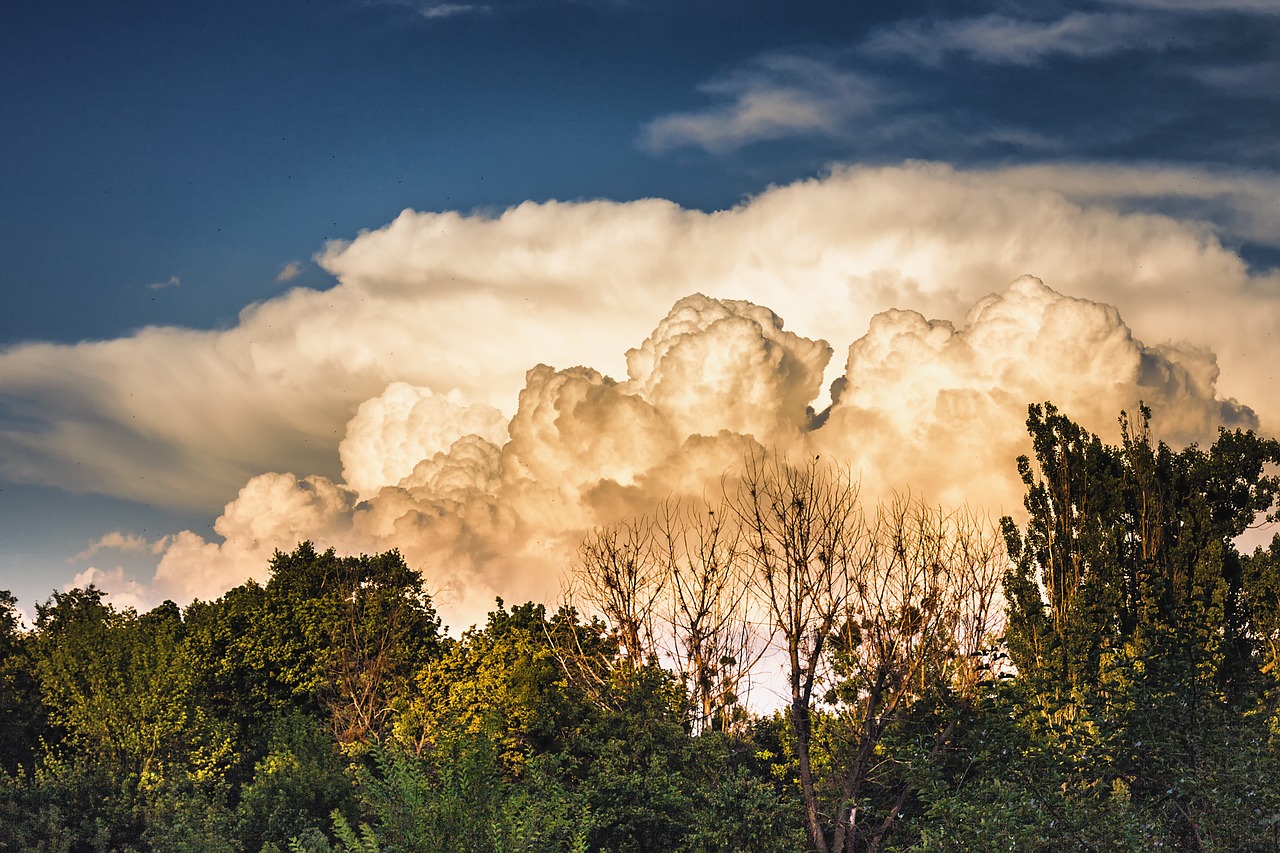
[(802, 725)]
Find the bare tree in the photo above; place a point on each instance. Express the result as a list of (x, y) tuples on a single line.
[(915, 624), (807, 545), (873, 617), (714, 643), (618, 574)]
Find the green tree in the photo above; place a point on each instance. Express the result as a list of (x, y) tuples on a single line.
[(353, 631), (504, 679), (122, 689), (22, 714), (1133, 545), (296, 786), (336, 637), (1260, 599), (1142, 652)]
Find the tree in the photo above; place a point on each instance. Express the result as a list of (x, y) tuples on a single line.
[(808, 545), (916, 625), (22, 714), (122, 688), (1132, 545), (619, 575), (1260, 594), (384, 632), (676, 589), (346, 635), (296, 786), (1142, 650), (135, 753), (504, 681), (714, 644)]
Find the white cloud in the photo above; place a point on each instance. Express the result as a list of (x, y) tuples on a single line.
[(778, 96), (118, 540), (1251, 79), (999, 39), (941, 406), (289, 271), (432, 10), (1242, 204), (173, 281), (924, 404), (450, 10), (445, 301), (391, 433), (122, 591)]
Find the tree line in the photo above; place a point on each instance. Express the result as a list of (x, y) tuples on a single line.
[(783, 668)]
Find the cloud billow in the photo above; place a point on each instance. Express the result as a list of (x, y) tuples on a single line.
[(367, 415), (921, 404), (450, 301)]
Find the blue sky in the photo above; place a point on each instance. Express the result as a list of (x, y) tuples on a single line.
[(165, 166)]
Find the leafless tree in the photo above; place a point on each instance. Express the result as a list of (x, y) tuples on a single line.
[(872, 616), (708, 609), (807, 545), (619, 575), (917, 619)]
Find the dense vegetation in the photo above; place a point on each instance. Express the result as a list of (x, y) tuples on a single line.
[(1120, 694)]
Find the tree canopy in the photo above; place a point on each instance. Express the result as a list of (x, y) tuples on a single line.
[(1102, 674)]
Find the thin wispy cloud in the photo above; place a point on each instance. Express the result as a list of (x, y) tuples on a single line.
[(431, 11), (1207, 7), (778, 96), (1254, 79), (289, 271), (450, 10), (173, 281), (1242, 205), (999, 39)]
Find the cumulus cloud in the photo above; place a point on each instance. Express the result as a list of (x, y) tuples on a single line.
[(272, 511), (715, 365), (922, 404), (391, 433), (172, 281), (446, 301), (484, 516), (451, 301), (118, 540), (121, 590), (779, 95), (929, 403)]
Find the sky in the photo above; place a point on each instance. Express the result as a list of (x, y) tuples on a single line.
[(468, 279)]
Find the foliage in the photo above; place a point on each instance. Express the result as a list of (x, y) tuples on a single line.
[(23, 717), (1132, 702), (1146, 653), (296, 786)]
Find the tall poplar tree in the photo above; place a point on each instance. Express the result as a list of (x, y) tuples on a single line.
[(1128, 618)]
